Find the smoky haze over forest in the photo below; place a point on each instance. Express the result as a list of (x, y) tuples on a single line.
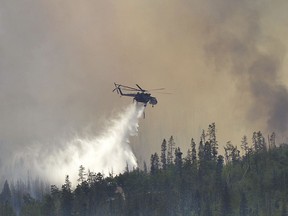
[(224, 62)]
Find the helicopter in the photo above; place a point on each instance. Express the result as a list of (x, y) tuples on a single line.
[(141, 95)]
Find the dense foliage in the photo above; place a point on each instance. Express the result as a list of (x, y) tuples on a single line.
[(201, 183)]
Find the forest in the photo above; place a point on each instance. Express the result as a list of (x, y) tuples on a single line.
[(199, 182)]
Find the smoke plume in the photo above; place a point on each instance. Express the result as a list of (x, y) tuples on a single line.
[(107, 153), (238, 43)]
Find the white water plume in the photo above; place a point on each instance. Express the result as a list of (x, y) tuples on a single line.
[(107, 153)]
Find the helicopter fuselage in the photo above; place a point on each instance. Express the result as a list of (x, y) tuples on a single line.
[(145, 98), (140, 97)]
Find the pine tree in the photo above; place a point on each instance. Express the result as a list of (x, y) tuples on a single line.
[(218, 174), (31, 206), (203, 137), (6, 194), (232, 154), (258, 141), (67, 198), (154, 163), (163, 154), (81, 174), (208, 155), (55, 192), (255, 142), (170, 151), (48, 208), (262, 142), (201, 170), (188, 158), (178, 159), (90, 177), (213, 141), (244, 145), (272, 141), (194, 153), (201, 151), (6, 201), (145, 167)]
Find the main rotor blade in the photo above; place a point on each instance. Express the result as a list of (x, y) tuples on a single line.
[(158, 89), (133, 90), (127, 87), (139, 89), (162, 93), (143, 90)]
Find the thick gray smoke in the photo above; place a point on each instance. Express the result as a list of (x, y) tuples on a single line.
[(236, 42), (107, 153)]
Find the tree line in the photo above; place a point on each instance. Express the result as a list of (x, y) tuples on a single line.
[(200, 182)]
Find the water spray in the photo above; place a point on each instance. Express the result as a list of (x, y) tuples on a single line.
[(109, 152)]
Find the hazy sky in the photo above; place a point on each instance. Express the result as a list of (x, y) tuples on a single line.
[(224, 61)]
